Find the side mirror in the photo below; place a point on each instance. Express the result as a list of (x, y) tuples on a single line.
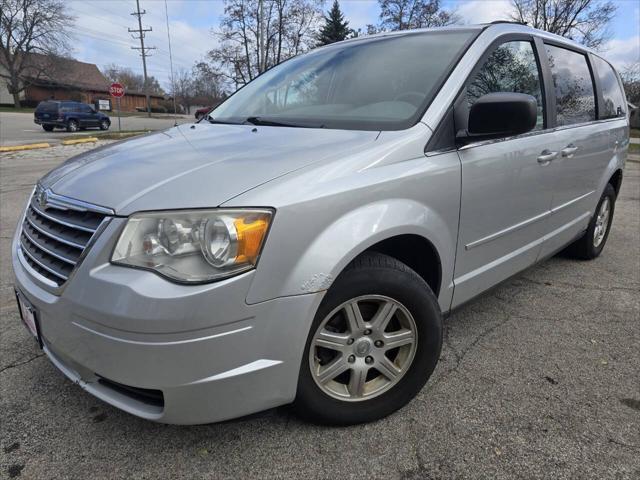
[(502, 114)]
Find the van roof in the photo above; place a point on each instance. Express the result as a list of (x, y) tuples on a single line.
[(498, 27)]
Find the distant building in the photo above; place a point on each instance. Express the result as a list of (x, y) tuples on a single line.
[(61, 78)]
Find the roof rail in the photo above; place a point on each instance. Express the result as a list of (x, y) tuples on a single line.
[(506, 21)]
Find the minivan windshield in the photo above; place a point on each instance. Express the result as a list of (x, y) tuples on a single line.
[(379, 83)]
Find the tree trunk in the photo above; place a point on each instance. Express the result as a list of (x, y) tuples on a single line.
[(16, 99)]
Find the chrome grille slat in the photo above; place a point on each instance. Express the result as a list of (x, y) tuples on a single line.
[(41, 264), (45, 249), (60, 221), (54, 235), (59, 239)]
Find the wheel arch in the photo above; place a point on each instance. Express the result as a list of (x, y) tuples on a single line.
[(616, 181), (416, 252)]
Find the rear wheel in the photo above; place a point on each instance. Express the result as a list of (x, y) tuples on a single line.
[(374, 342), (48, 128), (590, 245), (72, 126)]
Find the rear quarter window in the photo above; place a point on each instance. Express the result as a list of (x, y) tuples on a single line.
[(575, 95), (47, 107), (611, 92)]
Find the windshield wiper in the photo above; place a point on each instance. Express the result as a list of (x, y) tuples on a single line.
[(222, 122), (277, 123)]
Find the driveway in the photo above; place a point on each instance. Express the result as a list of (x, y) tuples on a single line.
[(538, 379), (18, 128)]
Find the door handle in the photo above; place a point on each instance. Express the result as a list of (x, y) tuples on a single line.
[(569, 150), (546, 157)]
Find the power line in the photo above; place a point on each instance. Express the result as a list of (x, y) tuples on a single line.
[(115, 41), (144, 51), (166, 13)]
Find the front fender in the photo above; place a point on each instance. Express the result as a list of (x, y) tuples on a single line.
[(354, 232), (360, 229)]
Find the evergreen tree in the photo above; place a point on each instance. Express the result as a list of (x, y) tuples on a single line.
[(336, 28)]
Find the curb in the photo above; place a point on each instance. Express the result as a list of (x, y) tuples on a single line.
[(32, 146), (79, 140)]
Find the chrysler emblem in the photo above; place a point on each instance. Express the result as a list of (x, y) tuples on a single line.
[(43, 198)]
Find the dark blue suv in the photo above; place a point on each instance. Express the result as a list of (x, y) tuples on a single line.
[(70, 115)]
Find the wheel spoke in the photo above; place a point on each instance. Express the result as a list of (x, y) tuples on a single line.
[(333, 341), (398, 339), (332, 370), (382, 317), (354, 317), (387, 368), (357, 381)]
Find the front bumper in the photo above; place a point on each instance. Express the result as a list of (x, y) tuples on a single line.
[(211, 355)]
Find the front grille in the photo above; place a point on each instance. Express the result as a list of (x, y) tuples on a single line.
[(54, 236)]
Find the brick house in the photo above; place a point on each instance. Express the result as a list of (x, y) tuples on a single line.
[(58, 78)]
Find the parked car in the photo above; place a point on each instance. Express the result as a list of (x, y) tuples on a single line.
[(201, 112), (304, 243), (72, 116)]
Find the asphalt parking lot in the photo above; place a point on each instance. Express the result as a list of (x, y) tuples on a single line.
[(18, 128), (540, 378)]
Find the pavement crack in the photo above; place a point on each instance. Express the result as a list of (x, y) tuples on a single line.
[(622, 444), (580, 286), (19, 364)]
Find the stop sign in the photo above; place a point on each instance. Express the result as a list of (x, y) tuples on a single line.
[(116, 90)]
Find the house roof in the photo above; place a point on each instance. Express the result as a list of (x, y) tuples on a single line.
[(52, 70)]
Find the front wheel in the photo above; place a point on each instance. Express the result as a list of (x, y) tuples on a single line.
[(590, 245), (104, 125), (374, 342)]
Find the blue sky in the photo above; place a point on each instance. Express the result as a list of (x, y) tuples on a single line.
[(102, 37)]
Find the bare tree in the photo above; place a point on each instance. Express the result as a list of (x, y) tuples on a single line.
[(257, 34), (182, 88), (130, 79), (208, 88), (631, 80), (28, 27), (585, 21), (407, 14)]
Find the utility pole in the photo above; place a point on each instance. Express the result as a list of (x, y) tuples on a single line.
[(144, 51)]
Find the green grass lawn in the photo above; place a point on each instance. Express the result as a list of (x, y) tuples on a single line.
[(634, 148), (635, 132), (16, 110)]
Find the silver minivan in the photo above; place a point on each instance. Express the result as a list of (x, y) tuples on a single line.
[(303, 242)]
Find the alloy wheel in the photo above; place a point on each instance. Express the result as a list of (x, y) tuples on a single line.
[(363, 348), (602, 222)]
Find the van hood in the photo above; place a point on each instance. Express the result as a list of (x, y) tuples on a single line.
[(195, 166)]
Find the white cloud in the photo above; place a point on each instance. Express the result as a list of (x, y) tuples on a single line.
[(621, 52), (483, 11), (102, 35)]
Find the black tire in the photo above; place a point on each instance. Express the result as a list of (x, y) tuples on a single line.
[(585, 247), (73, 126), (48, 128), (375, 274), (105, 124)]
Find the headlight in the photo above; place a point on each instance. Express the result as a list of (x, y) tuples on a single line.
[(193, 246)]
